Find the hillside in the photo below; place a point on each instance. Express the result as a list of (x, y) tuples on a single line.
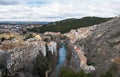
[(68, 24), (102, 49)]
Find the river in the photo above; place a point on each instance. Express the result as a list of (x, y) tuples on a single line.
[(62, 57)]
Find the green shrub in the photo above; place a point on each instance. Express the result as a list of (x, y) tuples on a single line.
[(107, 74), (3, 39), (29, 36), (69, 73)]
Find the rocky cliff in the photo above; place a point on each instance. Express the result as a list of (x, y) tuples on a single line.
[(102, 48)]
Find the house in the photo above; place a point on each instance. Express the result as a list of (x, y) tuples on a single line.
[(52, 46)]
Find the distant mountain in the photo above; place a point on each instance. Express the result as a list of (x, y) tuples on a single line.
[(21, 22), (68, 24)]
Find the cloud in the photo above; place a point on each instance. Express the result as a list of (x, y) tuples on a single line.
[(16, 2), (9, 2), (52, 10)]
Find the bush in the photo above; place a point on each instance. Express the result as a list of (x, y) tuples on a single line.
[(107, 74), (40, 65), (29, 36), (3, 39), (69, 73)]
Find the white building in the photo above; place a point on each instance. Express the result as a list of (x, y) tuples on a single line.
[(43, 48), (52, 46)]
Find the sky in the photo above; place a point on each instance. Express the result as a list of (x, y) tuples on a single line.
[(54, 10)]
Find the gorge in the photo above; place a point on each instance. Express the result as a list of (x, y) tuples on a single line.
[(84, 52)]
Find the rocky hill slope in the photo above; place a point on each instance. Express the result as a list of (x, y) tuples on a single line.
[(102, 48)]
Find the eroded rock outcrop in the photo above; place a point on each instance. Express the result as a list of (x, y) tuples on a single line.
[(102, 48)]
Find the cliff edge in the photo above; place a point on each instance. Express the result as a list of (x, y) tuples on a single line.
[(102, 48)]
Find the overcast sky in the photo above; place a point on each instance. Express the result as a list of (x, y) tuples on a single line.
[(52, 10)]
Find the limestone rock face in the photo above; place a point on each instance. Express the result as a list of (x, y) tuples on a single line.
[(102, 48)]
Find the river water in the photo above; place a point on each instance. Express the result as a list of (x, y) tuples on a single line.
[(62, 58)]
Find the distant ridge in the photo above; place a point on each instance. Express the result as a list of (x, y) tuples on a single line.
[(68, 24), (22, 22)]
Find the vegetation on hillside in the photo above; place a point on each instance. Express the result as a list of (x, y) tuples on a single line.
[(43, 64), (66, 72), (68, 24)]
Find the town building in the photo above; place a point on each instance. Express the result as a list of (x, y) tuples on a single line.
[(83, 60), (52, 46), (80, 33)]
